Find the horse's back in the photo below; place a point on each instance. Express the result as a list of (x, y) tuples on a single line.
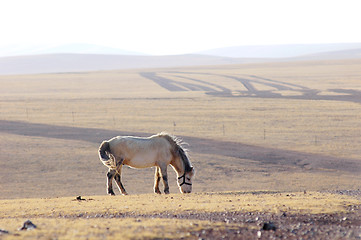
[(141, 152), (138, 143)]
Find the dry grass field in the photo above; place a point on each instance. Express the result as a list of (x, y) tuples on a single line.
[(233, 215), (275, 127)]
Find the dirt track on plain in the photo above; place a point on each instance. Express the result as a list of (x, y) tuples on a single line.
[(248, 82)]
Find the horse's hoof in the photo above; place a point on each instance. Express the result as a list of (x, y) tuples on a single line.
[(111, 193), (157, 191)]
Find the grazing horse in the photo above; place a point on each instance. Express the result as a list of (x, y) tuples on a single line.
[(157, 151)]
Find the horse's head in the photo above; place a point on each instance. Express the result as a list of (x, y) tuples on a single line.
[(185, 181)]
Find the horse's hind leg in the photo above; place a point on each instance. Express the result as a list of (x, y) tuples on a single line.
[(110, 176), (156, 180), (163, 170), (118, 180)]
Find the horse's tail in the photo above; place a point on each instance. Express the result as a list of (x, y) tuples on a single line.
[(106, 156)]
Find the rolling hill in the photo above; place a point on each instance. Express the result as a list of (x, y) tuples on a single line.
[(58, 63), (279, 51), (70, 62), (78, 48)]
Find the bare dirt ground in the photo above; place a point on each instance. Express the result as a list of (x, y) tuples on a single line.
[(294, 226)]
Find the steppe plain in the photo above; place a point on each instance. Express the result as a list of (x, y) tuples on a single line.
[(270, 142)]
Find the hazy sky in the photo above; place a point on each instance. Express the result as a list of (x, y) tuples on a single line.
[(173, 27)]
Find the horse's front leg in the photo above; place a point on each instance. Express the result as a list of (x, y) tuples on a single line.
[(118, 180), (163, 170), (110, 176), (156, 180)]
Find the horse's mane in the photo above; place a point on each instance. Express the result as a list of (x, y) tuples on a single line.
[(178, 149)]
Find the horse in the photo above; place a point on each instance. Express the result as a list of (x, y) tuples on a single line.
[(157, 151)]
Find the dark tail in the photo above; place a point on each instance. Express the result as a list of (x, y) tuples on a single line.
[(105, 155)]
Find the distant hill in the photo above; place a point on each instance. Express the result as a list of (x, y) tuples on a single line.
[(60, 63), (334, 55), (57, 63), (279, 51), (79, 48)]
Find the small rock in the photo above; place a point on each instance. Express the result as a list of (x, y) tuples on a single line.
[(269, 226), (79, 198), (28, 225), (2, 231)]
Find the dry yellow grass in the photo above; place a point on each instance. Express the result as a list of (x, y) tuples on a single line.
[(48, 167), (129, 228), (324, 127), (130, 217), (252, 201), (126, 101), (214, 104)]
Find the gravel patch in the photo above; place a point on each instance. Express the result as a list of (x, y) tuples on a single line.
[(354, 193), (258, 225)]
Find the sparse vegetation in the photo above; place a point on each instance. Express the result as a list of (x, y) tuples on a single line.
[(266, 132), (162, 216)]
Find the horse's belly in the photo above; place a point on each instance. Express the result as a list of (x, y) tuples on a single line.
[(142, 160)]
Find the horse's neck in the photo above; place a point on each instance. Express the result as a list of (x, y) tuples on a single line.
[(179, 166)]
